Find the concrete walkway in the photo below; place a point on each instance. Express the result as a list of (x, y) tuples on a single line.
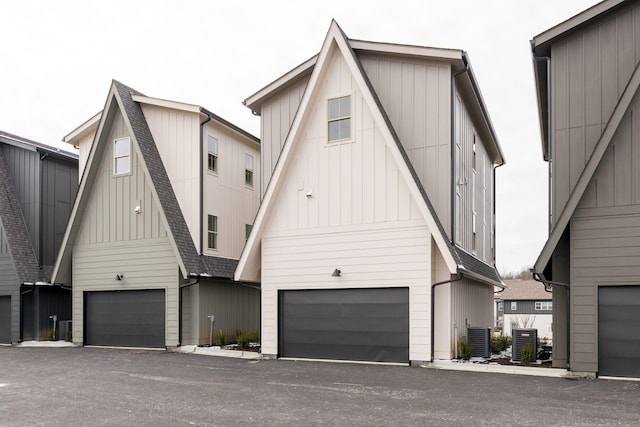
[(454, 365)]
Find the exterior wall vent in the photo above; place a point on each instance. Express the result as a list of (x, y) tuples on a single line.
[(521, 337), (480, 339)]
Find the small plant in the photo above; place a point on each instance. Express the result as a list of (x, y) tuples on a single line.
[(69, 335), (242, 339), (466, 349), (526, 353), (500, 344), (48, 335), (220, 338)]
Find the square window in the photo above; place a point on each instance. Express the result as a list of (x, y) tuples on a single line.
[(339, 117), (212, 156), (248, 169), (122, 156), (212, 233)]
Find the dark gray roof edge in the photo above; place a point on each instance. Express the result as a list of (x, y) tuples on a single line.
[(472, 264), (39, 146)]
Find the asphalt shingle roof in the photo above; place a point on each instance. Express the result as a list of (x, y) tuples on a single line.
[(518, 289)]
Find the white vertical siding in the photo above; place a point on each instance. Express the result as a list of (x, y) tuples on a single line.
[(225, 193), (416, 96), (177, 137), (84, 146), (360, 218)]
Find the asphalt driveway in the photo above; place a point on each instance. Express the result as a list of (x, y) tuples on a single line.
[(96, 386)]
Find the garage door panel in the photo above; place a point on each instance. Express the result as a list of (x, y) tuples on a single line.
[(125, 318), (345, 324), (5, 319), (618, 326)]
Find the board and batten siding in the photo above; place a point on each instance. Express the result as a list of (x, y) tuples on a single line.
[(473, 180), (368, 255), (225, 193), (605, 251), (590, 69), (84, 147), (177, 137), (359, 217), (10, 283), (234, 306), (114, 239), (416, 96)]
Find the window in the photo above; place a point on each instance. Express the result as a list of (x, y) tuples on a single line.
[(212, 234), (248, 169), (544, 305), (247, 231), (121, 156), (212, 157), (501, 306), (514, 305), (339, 118)]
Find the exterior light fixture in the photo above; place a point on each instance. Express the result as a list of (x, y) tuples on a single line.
[(336, 273), (119, 277)]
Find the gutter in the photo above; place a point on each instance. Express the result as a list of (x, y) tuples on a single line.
[(453, 145), (458, 277), (548, 285), (203, 111)]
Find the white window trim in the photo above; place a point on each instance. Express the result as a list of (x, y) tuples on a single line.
[(543, 305), (217, 155), (351, 117), (514, 305), (115, 157), (215, 232)]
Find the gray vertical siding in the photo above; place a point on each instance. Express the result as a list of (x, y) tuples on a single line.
[(59, 186), (24, 169), (590, 69)]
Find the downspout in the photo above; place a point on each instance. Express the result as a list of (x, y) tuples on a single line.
[(200, 245), (458, 277), (548, 284), (453, 143)]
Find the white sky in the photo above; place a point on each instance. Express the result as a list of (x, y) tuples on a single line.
[(58, 59)]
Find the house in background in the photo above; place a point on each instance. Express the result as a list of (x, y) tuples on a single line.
[(587, 75), (524, 304), (37, 187), (168, 192), (378, 178)]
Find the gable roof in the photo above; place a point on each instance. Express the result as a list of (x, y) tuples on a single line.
[(456, 260), (518, 289), (590, 168), (121, 101)]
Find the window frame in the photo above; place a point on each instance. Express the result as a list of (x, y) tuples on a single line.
[(212, 233), (540, 305), (116, 157), (211, 155), (514, 305), (249, 173), (340, 118)]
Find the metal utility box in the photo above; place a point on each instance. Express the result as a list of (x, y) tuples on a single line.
[(480, 339), (522, 337)]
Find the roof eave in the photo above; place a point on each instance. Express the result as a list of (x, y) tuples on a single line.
[(84, 129)]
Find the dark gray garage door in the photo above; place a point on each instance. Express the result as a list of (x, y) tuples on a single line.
[(619, 331), (125, 318), (345, 324), (5, 319)]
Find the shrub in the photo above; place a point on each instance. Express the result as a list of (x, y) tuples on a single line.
[(466, 349), (220, 338), (526, 353), (242, 339), (254, 335), (500, 344), (69, 335)]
